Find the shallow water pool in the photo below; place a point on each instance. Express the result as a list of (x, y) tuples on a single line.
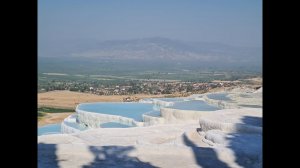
[(171, 99), (197, 105), (114, 125), (129, 110), (251, 106), (153, 113), (49, 129), (219, 96)]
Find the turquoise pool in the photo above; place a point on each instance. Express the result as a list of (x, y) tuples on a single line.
[(114, 125), (49, 129), (197, 105), (171, 99), (129, 110), (251, 106), (153, 113), (219, 96)]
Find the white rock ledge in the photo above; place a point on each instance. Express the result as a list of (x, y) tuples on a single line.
[(233, 121), (93, 120)]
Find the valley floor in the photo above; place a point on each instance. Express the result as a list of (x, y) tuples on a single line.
[(68, 99)]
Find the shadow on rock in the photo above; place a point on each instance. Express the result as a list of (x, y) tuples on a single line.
[(115, 156), (247, 147), (47, 156), (205, 157)]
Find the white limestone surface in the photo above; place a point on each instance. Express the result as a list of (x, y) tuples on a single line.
[(167, 145), (248, 120), (177, 116), (151, 120), (65, 128)]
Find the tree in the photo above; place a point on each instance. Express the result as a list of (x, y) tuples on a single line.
[(189, 88)]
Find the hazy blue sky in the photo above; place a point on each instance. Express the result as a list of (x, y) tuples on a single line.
[(235, 22)]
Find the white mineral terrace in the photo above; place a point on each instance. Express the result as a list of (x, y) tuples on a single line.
[(226, 133)]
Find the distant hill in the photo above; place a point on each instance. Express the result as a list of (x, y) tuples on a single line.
[(153, 52), (161, 49)]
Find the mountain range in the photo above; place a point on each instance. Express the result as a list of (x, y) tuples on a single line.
[(157, 48)]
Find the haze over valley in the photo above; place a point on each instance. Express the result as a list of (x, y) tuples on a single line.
[(148, 54)]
